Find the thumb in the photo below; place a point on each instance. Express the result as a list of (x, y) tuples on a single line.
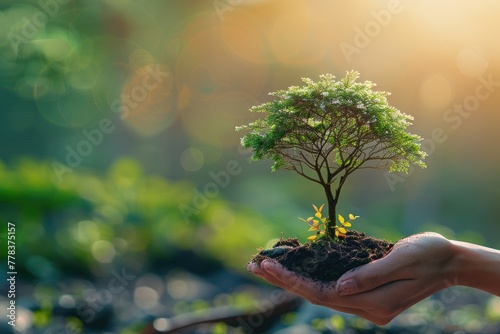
[(367, 277)]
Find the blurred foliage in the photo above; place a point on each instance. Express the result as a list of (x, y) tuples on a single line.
[(121, 217)]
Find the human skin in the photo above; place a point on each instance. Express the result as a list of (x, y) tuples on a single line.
[(417, 267)]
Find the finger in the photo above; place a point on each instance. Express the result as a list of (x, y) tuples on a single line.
[(386, 302), (314, 291), (257, 270), (374, 274), (380, 305)]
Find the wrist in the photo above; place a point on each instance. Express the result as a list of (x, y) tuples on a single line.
[(475, 266)]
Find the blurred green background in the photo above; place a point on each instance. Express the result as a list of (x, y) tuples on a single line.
[(117, 139)]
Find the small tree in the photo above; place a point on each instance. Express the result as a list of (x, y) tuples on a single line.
[(326, 130)]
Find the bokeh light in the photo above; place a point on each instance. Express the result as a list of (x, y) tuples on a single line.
[(192, 159), (244, 36), (103, 251), (298, 37), (471, 62), (88, 231), (222, 219), (146, 297), (436, 93), (177, 288), (147, 101), (161, 324)]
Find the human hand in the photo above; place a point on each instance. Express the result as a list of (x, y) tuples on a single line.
[(417, 267)]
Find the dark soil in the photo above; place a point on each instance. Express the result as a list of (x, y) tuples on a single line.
[(326, 260)]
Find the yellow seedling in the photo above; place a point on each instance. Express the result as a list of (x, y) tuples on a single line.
[(318, 223), (318, 211), (341, 230)]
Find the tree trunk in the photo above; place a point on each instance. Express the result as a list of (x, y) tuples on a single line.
[(332, 203)]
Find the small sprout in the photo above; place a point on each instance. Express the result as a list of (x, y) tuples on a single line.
[(318, 211), (319, 223), (313, 237), (340, 231)]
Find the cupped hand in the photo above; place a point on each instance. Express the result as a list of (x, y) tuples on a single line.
[(417, 267)]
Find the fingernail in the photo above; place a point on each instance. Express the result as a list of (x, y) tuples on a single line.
[(347, 287), (251, 266), (267, 265)]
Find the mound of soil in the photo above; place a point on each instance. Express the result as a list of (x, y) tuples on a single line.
[(326, 260)]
